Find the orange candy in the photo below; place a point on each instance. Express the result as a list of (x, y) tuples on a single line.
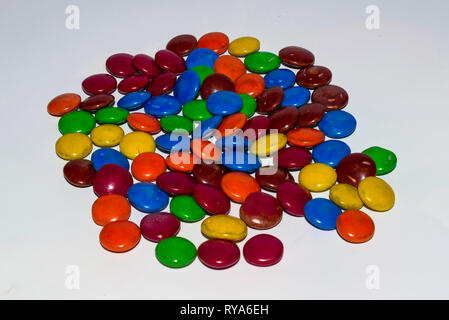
[(238, 185), (218, 42), (305, 137), (231, 124), (147, 166), (206, 150), (63, 104), (144, 122), (120, 236), (250, 83), (231, 66), (355, 226), (110, 208), (181, 161)]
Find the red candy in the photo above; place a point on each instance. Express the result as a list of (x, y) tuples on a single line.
[(162, 83), (112, 178), (99, 83), (293, 198), (170, 61), (133, 83), (159, 226), (146, 65), (211, 199), (120, 65), (263, 250), (176, 183), (219, 254)]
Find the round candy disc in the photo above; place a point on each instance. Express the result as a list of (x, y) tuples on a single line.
[(63, 104), (176, 183), (175, 252), (354, 168), (104, 156), (187, 86), (263, 250), (135, 143), (182, 45), (162, 106), (99, 83), (296, 57), (317, 177), (79, 172), (186, 209), (330, 152), (211, 199), (134, 100), (322, 213), (112, 179), (295, 97), (337, 124), (384, 159), (97, 102), (120, 236), (376, 194), (107, 135), (159, 226), (201, 57), (331, 96), (239, 185), (283, 78), (262, 62), (147, 197), (110, 208), (72, 146), (261, 211), (293, 198), (120, 65), (355, 226), (218, 254), (147, 166), (76, 121)]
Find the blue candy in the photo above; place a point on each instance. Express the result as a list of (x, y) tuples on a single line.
[(322, 213), (204, 130), (224, 103), (283, 78), (295, 97), (147, 197), (201, 57), (330, 152), (162, 106), (172, 142), (233, 143), (240, 161), (105, 156), (187, 86), (337, 124), (134, 100)]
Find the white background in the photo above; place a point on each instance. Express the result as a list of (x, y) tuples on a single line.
[(396, 78)]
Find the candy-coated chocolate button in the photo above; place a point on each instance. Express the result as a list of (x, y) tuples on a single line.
[(134, 100), (269, 100), (99, 83), (295, 97), (105, 156), (261, 211), (110, 208), (135, 143), (120, 65), (337, 124), (112, 179), (263, 250), (251, 84), (218, 254), (73, 146), (240, 161), (211, 199), (232, 124), (181, 161), (322, 213), (293, 198), (243, 46), (256, 127), (143, 122), (262, 62), (224, 227), (132, 84), (384, 159), (186, 209), (330, 152), (224, 103), (296, 57), (209, 173), (76, 121), (230, 66), (111, 115), (294, 158), (305, 137), (187, 86), (97, 102), (205, 150), (355, 226), (120, 236), (249, 105), (175, 252), (331, 96), (235, 142), (159, 226), (201, 57), (64, 103), (283, 78), (203, 72), (172, 142), (196, 110), (268, 144), (79, 172), (176, 183), (345, 196), (239, 185), (214, 83), (310, 114), (354, 168), (376, 194), (162, 106), (147, 197), (107, 135), (161, 84), (147, 166), (182, 45), (270, 178), (313, 77), (146, 65), (216, 41), (172, 123), (170, 61), (317, 177), (206, 129)]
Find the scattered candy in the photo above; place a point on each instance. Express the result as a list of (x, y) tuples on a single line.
[(175, 252), (159, 226), (110, 208), (355, 226), (224, 227), (219, 254), (263, 250), (120, 236)]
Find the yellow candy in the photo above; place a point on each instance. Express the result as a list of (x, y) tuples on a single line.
[(107, 135), (345, 196), (243, 46), (135, 143), (224, 227), (73, 146), (376, 194), (268, 144), (317, 177)]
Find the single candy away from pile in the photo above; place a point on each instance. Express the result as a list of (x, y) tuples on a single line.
[(300, 123)]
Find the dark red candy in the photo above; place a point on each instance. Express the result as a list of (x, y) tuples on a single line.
[(293, 198), (133, 83), (283, 119), (313, 77), (209, 173), (159, 226), (99, 83), (97, 102), (261, 211), (162, 84), (296, 57), (176, 183), (269, 100), (211, 199), (170, 61), (354, 168), (112, 179), (182, 45), (273, 180), (310, 114), (294, 158), (120, 65), (256, 127), (146, 65), (216, 82), (263, 250), (80, 172), (331, 96), (218, 254)]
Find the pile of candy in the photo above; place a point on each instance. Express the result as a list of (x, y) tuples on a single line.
[(215, 150)]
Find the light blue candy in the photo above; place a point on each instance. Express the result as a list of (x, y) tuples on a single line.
[(201, 57), (104, 156), (283, 78), (147, 197), (233, 143), (224, 103), (337, 124), (161, 106), (330, 152), (295, 97), (205, 129), (134, 100), (322, 213), (240, 161), (187, 86), (173, 142)]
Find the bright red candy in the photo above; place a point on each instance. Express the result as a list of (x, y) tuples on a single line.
[(159, 226), (112, 178), (219, 254), (263, 250)]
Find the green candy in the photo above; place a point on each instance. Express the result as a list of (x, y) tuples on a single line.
[(111, 115), (186, 209), (173, 122), (203, 72), (249, 105), (76, 121), (175, 252), (262, 62), (384, 159), (196, 110)]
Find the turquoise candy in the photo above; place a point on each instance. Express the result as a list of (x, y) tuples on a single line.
[(240, 161), (322, 213), (224, 103), (187, 86), (134, 100), (201, 57), (172, 142), (147, 197), (161, 106), (105, 156), (205, 129), (283, 78), (262, 62), (337, 124), (295, 97)]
